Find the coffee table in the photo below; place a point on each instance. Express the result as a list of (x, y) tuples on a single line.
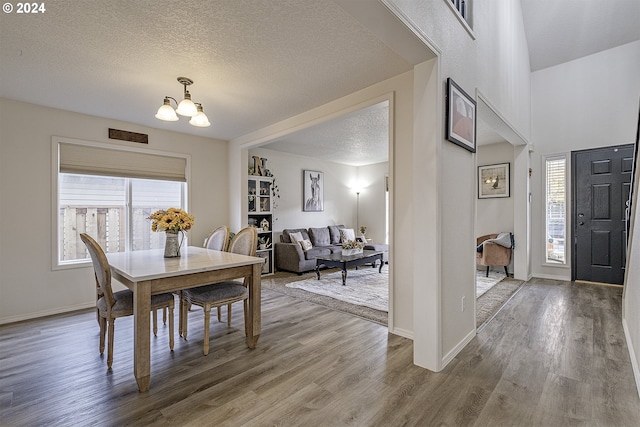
[(346, 261)]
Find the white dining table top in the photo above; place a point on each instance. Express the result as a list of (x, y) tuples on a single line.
[(151, 264)]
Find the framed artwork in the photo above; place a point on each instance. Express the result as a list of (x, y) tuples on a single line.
[(461, 117), (313, 191), (493, 181)]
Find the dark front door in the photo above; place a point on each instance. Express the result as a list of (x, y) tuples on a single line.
[(601, 180)]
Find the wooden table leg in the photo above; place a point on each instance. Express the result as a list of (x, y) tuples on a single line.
[(141, 325), (254, 316)]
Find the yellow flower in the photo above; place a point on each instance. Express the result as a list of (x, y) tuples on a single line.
[(172, 219)]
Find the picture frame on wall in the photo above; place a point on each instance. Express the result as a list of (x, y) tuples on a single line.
[(494, 181), (461, 117), (313, 191)]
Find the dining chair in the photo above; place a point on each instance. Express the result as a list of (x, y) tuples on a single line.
[(111, 305), (218, 240), (223, 293)]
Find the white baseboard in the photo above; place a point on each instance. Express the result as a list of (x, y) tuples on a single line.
[(402, 332), (632, 354), (550, 277), (59, 310), (458, 348)]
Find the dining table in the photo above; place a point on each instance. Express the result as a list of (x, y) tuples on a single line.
[(148, 272)]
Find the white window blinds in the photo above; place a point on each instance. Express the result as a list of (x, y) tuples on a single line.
[(93, 160)]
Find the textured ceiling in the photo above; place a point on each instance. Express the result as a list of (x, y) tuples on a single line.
[(253, 62), (563, 30), (357, 139)]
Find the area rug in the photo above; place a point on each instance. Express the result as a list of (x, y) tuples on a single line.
[(492, 300), (486, 305), (484, 283), (366, 287), (278, 283)]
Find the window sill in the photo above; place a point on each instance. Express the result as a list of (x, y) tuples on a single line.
[(71, 265), (548, 264), (463, 21)]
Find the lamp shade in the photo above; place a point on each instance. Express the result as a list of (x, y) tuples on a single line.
[(186, 106), (200, 119), (166, 113)]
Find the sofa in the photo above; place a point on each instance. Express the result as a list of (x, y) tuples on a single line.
[(290, 256)]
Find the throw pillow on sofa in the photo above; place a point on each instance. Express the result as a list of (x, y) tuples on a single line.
[(334, 232), (320, 236), (305, 244), (347, 234), (296, 237)]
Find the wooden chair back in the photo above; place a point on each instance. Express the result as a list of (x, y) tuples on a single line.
[(218, 240), (101, 269), (245, 242)]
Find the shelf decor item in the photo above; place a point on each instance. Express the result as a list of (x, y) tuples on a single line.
[(173, 221)]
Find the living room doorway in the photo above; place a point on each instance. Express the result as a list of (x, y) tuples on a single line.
[(352, 147)]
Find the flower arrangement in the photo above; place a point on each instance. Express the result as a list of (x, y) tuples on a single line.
[(171, 220), (352, 244), (363, 229)]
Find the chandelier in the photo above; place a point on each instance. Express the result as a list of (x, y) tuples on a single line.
[(186, 107)]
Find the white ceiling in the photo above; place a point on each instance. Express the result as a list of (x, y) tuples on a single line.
[(253, 62), (559, 31)]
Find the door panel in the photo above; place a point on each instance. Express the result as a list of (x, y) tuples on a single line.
[(600, 190)]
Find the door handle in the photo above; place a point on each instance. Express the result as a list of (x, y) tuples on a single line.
[(581, 223)]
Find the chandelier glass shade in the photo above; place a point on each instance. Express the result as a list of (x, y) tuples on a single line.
[(200, 119), (186, 107)]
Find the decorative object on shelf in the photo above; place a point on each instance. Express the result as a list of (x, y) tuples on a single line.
[(352, 247), (259, 166), (264, 224), (461, 117), (313, 199), (186, 107), (263, 243), (493, 181), (173, 221), (363, 229)]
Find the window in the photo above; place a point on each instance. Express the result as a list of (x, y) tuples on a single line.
[(109, 192), (555, 207), (113, 210), (463, 9)]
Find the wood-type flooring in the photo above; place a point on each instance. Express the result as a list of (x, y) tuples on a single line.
[(555, 355)]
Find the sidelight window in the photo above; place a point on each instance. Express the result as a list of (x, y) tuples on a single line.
[(556, 210)]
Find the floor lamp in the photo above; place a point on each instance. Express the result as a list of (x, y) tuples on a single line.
[(357, 209)]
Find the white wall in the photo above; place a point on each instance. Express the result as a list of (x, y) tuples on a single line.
[(493, 60), (586, 103), (339, 200), (495, 215), (631, 295), (28, 285), (372, 200)]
